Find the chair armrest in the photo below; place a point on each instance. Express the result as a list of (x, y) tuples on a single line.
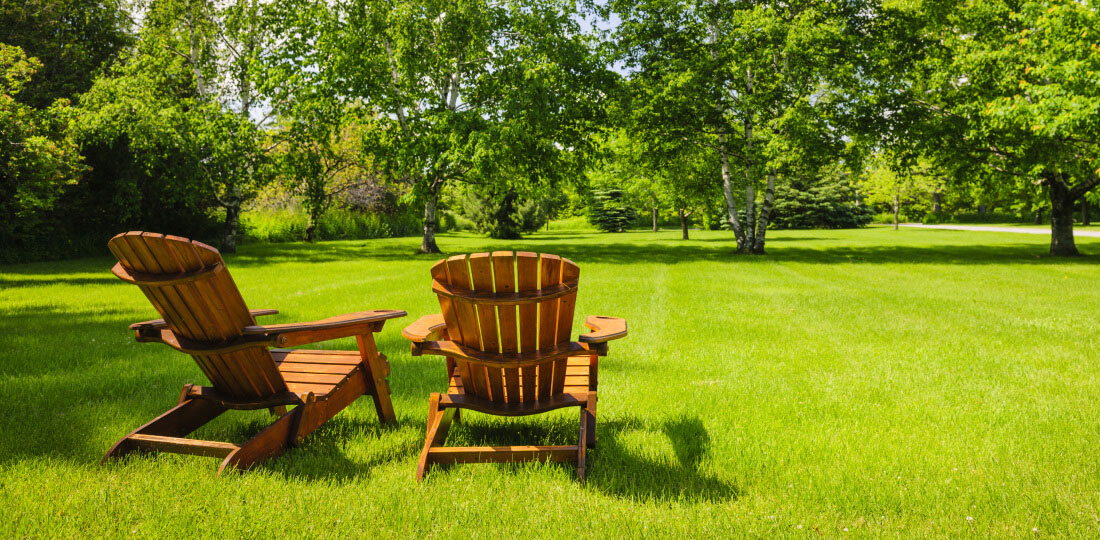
[(157, 324), (604, 329), (505, 360), (352, 324), (426, 328)]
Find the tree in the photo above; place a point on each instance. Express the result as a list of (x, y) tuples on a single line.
[(744, 80), (504, 215), (320, 166), (73, 39), (38, 155), (1007, 91), (608, 209), (460, 89), (899, 185), (184, 100), (824, 200)]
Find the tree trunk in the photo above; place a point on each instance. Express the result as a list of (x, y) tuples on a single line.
[(765, 214), (683, 222), (1085, 212), (193, 53), (937, 200), (727, 192), (750, 190), (654, 219), (897, 209), (723, 155), (1039, 216), (314, 218), (232, 223), (1061, 219), (427, 243)]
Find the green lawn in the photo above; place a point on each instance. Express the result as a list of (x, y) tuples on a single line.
[(864, 383)]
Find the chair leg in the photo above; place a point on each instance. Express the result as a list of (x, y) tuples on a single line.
[(587, 429), (374, 369), (178, 421), (591, 410), (439, 423), (270, 442)]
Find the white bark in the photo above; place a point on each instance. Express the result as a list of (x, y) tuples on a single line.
[(727, 191), (765, 213)]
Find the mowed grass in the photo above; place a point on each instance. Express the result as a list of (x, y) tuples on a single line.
[(917, 383)]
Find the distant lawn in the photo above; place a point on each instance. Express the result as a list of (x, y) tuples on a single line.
[(865, 383), (1045, 225)]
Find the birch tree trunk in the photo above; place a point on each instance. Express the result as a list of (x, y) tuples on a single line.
[(897, 208), (232, 222), (194, 53), (750, 189), (233, 199), (427, 243), (723, 155), (765, 214), (727, 192)]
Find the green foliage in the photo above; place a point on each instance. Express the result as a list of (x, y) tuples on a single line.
[(1003, 93), (38, 159), (608, 210), (506, 216), (469, 89), (825, 202), (292, 225), (759, 86), (73, 39)]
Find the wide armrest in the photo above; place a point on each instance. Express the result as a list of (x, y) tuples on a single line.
[(157, 324), (604, 329), (505, 360), (288, 335), (426, 328)]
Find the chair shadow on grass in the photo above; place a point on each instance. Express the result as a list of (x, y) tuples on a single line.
[(620, 471), (323, 455), (613, 468)]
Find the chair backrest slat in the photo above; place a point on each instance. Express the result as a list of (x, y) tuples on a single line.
[(490, 319), (207, 310), (504, 281)]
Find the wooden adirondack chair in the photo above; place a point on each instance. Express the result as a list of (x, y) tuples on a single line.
[(505, 331), (204, 315)]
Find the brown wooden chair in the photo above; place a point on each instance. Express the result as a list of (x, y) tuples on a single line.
[(203, 314), (505, 331)]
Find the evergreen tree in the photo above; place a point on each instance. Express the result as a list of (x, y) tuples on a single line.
[(823, 202), (608, 210)]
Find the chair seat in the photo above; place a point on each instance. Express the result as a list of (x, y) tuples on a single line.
[(577, 370), (320, 372)]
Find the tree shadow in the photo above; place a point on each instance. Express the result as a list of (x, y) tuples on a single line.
[(626, 254), (7, 282)]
